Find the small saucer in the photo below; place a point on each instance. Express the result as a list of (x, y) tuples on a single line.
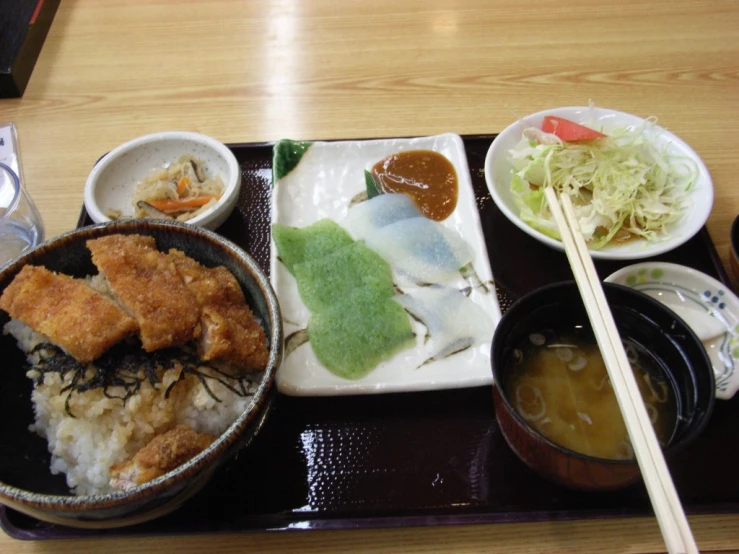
[(705, 304)]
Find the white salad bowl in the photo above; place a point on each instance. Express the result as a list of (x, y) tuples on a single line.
[(111, 182), (498, 174)]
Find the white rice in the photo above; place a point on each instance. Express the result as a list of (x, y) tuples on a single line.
[(106, 431)]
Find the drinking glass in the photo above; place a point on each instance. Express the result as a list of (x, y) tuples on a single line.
[(21, 227)]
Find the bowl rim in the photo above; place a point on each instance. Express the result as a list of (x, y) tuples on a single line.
[(670, 449), (693, 225), (231, 189), (213, 454), (734, 238)]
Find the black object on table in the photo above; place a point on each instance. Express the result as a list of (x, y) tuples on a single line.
[(24, 25)]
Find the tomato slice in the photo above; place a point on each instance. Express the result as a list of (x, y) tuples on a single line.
[(567, 130)]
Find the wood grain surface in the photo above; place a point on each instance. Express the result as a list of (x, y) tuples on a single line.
[(317, 69)]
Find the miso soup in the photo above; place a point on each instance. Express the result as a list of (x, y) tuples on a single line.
[(560, 386)]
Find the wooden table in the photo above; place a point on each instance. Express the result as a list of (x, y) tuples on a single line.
[(312, 69)]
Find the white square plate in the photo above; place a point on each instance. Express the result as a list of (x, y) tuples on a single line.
[(322, 185)]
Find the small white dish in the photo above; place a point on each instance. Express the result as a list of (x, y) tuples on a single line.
[(705, 304), (111, 182), (328, 176), (498, 178)]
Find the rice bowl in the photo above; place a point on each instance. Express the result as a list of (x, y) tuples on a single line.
[(83, 448), (106, 431)]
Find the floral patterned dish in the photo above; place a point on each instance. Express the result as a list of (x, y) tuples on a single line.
[(707, 305)]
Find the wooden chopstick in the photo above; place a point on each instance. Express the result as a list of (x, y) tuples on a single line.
[(665, 501)]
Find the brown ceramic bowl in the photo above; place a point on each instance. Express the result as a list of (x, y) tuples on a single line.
[(639, 318), (27, 485)]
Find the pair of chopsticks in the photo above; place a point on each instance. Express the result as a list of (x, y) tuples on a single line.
[(665, 501)]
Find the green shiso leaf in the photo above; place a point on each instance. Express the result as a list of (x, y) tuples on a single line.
[(285, 157), (371, 185)]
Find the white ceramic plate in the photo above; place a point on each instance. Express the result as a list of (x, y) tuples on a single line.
[(322, 185), (498, 178), (705, 304)]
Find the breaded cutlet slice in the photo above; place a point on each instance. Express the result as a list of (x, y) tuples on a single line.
[(73, 315), (162, 454), (147, 285), (229, 330)]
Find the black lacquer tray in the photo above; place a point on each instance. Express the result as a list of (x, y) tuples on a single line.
[(427, 458)]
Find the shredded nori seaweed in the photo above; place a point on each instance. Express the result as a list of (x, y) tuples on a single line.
[(126, 366)]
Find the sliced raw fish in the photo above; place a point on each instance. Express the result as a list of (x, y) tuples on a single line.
[(420, 250), (703, 323), (454, 322), (372, 215)]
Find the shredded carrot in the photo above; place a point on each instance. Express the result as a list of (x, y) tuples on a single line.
[(169, 205), (182, 185)]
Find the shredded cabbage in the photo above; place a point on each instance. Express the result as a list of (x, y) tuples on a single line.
[(624, 186)]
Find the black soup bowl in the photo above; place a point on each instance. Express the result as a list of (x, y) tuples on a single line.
[(640, 319), (26, 482)]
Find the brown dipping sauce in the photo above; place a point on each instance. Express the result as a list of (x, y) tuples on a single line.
[(426, 176)]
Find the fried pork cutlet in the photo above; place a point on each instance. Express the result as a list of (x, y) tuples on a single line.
[(162, 454), (73, 315), (229, 330), (147, 285)]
